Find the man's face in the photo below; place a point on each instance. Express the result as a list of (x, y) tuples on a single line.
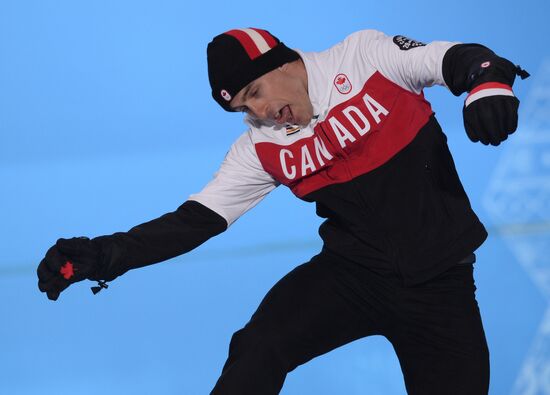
[(280, 96)]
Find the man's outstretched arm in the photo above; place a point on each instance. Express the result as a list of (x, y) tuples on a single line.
[(106, 257)]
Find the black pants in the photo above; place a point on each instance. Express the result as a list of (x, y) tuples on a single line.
[(435, 328)]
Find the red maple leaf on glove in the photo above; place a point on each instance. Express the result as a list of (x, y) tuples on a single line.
[(341, 80), (67, 270)]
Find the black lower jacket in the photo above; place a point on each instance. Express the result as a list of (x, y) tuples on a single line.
[(410, 215)]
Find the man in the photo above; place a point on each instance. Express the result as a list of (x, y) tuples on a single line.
[(350, 130)]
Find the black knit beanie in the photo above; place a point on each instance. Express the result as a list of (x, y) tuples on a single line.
[(237, 57)]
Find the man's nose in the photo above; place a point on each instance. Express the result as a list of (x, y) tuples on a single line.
[(259, 110)]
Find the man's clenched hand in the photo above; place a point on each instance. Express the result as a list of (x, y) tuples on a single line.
[(492, 115), (67, 262)]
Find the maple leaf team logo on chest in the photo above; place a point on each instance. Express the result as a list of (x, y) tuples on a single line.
[(342, 83)]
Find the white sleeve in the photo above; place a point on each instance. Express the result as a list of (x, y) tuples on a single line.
[(410, 64), (239, 184)]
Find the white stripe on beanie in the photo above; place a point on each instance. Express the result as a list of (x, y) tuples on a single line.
[(260, 42)]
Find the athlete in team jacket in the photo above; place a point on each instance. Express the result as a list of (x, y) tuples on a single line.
[(349, 129)]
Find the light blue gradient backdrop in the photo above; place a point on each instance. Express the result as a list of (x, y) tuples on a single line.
[(106, 121)]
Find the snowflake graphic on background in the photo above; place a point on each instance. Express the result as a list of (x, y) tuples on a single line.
[(518, 201)]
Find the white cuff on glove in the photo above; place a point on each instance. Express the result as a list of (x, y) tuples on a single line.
[(488, 89)]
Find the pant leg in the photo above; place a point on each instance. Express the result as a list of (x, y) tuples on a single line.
[(438, 336), (315, 308)]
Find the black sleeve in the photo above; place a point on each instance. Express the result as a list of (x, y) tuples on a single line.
[(467, 65), (158, 240)]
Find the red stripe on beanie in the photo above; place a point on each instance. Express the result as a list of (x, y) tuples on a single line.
[(247, 43), (267, 37)]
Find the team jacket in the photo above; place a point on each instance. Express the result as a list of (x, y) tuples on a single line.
[(374, 160)]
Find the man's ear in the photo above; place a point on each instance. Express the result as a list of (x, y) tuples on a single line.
[(283, 67)]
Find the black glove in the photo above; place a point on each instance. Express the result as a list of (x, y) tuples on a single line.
[(492, 118), (67, 262), (491, 110)]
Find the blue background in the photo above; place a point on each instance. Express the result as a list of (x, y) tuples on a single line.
[(106, 121)]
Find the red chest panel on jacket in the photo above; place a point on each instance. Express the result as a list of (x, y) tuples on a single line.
[(357, 136)]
